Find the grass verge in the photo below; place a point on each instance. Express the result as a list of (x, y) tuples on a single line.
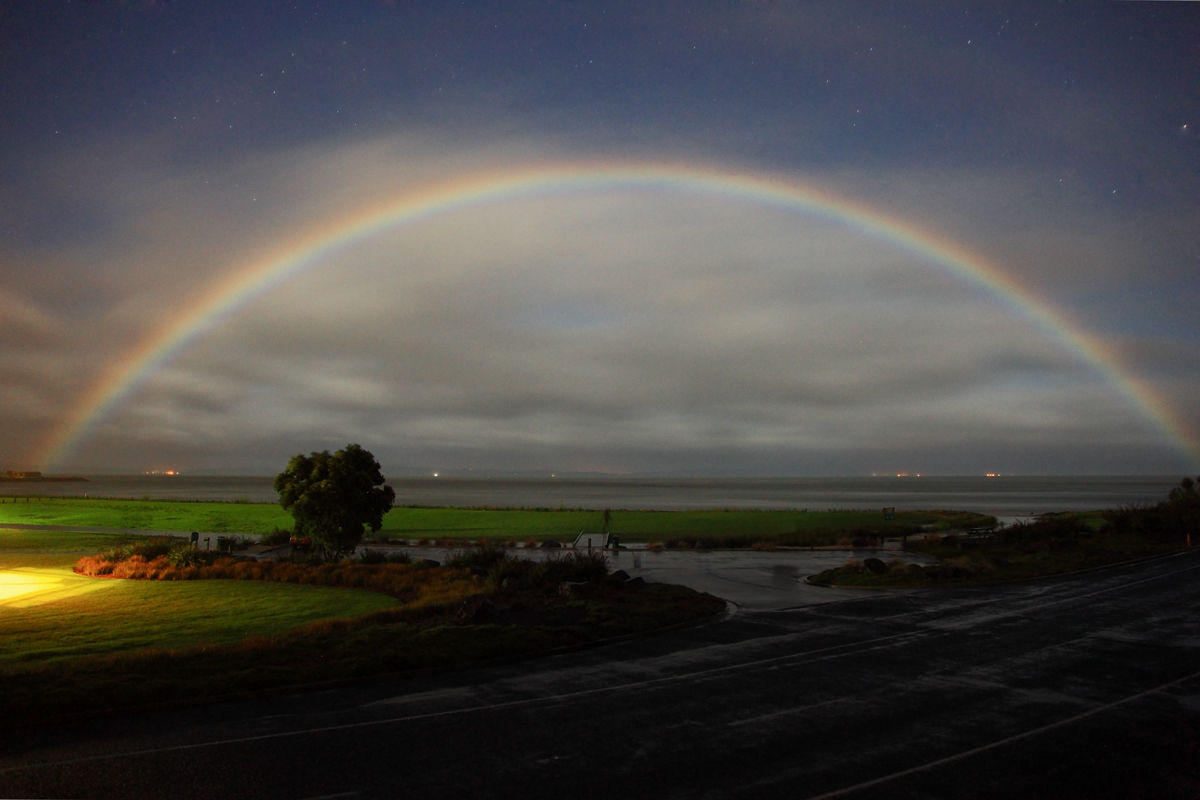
[(1054, 545)]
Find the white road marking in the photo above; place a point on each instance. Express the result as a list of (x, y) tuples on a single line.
[(845, 790), (822, 653)]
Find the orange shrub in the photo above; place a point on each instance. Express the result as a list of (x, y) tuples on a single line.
[(411, 583), (94, 566)]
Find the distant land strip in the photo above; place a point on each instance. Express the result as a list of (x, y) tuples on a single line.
[(34, 477)]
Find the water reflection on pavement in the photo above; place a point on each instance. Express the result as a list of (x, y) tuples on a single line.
[(754, 580)]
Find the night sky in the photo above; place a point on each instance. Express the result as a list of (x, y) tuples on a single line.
[(152, 151)]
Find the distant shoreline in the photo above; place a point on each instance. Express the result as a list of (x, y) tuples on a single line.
[(43, 479)]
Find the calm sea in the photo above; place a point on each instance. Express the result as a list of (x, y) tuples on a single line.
[(1007, 497)]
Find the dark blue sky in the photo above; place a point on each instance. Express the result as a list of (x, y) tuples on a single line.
[(152, 148)]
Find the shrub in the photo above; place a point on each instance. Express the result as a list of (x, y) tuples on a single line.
[(1169, 521), (151, 549), (1048, 532), (960, 566), (94, 565), (480, 559), (139, 568), (301, 556), (514, 574), (574, 567), (276, 537), (189, 556), (372, 557)]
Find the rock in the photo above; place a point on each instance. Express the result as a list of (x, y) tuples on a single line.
[(620, 575), (875, 566)]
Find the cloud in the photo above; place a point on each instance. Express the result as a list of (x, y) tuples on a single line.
[(620, 329)]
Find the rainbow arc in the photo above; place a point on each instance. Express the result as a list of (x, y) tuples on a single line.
[(421, 203)]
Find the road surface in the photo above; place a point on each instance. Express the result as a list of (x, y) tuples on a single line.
[(1086, 686)]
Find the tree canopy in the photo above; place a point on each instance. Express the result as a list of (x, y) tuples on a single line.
[(333, 496)]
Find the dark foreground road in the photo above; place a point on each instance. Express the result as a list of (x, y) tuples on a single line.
[(1080, 687)]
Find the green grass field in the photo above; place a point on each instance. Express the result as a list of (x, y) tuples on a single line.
[(736, 526), (146, 515)]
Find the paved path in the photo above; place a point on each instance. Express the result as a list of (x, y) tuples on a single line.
[(1087, 686)]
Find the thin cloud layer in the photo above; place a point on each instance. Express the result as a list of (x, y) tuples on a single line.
[(601, 323), (619, 329)]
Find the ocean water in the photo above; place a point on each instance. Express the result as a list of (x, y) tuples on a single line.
[(1007, 497)]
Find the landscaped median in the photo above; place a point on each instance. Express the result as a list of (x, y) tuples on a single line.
[(1054, 544), (182, 627)]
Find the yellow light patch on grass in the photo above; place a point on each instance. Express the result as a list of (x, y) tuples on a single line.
[(30, 586)]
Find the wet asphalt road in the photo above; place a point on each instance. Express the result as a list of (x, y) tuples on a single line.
[(1087, 686)]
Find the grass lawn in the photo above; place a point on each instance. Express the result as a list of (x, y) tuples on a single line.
[(48, 613), (57, 544), (517, 525), (97, 616), (721, 528), (146, 515)]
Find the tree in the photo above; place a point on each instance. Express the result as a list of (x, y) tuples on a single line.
[(1180, 512), (331, 497)]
